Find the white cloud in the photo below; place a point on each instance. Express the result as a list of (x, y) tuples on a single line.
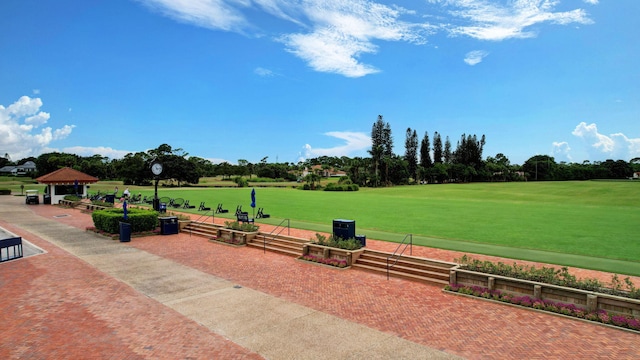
[(19, 123), (36, 91), (263, 72), (601, 147), (211, 14), (354, 141), (475, 57), (99, 150), (333, 35), (345, 29), (592, 2), (561, 151), (487, 20)]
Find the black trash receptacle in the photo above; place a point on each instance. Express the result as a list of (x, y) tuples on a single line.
[(168, 225), (125, 232), (344, 229), (46, 199), (110, 198), (362, 239)]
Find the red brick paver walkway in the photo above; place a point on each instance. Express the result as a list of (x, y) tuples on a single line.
[(134, 326)]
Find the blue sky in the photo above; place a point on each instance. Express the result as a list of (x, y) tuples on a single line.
[(247, 79)]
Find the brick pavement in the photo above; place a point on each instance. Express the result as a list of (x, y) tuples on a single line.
[(420, 313)]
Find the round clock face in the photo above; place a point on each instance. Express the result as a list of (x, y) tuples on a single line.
[(156, 168)]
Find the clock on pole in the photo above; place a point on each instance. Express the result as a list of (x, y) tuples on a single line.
[(156, 169)]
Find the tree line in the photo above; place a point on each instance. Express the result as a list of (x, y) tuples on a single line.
[(425, 160)]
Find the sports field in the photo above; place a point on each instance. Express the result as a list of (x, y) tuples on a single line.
[(589, 224)]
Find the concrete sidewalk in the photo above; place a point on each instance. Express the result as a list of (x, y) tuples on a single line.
[(261, 323)]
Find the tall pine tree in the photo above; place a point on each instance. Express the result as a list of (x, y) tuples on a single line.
[(437, 148), (411, 153)]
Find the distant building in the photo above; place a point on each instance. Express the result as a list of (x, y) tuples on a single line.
[(66, 181), (317, 169), (26, 169)]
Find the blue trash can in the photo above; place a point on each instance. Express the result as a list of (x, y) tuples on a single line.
[(125, 232), (362, 239)]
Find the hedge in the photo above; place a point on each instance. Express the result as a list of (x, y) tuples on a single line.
[(108, 220)]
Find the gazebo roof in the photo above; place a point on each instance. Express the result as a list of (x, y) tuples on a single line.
[(67, 175)]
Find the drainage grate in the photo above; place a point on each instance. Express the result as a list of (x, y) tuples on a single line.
[(61, 216)]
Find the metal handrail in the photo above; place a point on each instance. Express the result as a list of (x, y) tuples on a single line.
[(410, 244), (273, 236), (205, 216)]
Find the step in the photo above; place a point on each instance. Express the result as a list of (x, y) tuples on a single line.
[(406, 269), (402, 275), (404, 264), (276, 244), (384, 256), (274, 249)]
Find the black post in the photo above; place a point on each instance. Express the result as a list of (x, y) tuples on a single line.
[(156, 202)]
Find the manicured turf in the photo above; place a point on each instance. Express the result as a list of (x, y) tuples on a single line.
[(590, 224)]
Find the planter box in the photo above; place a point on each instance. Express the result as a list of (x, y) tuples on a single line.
[(182, 224), (326, 252), (588, 300), (234, 237)]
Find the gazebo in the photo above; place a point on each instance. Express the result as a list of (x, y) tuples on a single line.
[(66, 181)]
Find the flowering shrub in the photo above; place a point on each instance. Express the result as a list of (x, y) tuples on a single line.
[(549, 275), (333, 262), (601, 316)]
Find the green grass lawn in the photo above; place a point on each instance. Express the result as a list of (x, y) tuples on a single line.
[(590, 224)]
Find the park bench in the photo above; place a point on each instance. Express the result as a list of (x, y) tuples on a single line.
[(243, 217), (220, 210), (203, 208)]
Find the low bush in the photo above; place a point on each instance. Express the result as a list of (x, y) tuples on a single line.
[(5, 191), (341, 187), (241, 226), (108, 220), (346, 244), (332, 262)]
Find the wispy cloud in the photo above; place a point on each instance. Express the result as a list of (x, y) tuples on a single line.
[(21, 131), (475, 57), (263, 72), (105, 151), (342, 30), (333, 35), (211, 14), (615, 146), (592, 2), (487, 20), (354, 142)]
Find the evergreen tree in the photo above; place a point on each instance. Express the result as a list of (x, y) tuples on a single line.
[(411, 153), (448, 156), (377, 147), (437, 148), (425, 152)]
